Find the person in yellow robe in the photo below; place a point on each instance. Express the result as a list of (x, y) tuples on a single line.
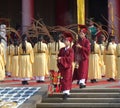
[(102, 56), (94, 71), (15, 60), (9, 58), (41, 60), (110, 59), (2, 61), (54, 48), (25, 61), (118, 61)]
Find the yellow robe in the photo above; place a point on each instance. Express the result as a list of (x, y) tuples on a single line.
[(2, 62), (15, 61), (102, 57), (9, 58), (110, 61), (118, 61), (53, 54), (41, 59), (25, 61), (94, 63)]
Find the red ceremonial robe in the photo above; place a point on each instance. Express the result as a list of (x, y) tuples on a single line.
[(65, 67), (83, 54)]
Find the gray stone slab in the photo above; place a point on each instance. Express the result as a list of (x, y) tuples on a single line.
[(81, 100), (87, 95), (78, 105)]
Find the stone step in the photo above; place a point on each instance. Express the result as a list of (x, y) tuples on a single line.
[(87, 95), (81, 100), (96, 90), (78, 105)]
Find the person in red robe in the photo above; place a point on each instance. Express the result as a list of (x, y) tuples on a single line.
[(82, 50), (65, 60)]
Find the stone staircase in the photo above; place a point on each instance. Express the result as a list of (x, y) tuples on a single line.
[(84, 98)]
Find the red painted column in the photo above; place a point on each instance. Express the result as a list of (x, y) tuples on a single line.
[(27, 13), (61, 12), (114, 17)]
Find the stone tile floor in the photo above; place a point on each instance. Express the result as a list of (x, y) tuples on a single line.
[(31, 102)]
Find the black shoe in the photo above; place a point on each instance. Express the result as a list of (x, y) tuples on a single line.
[(91, 81), (23, 82), (65, 96), (41, 81), (95, 80), (8, 75), (82, 85), (26, 83), (38, 81), (111, 80), (78, 82), (1, 80)]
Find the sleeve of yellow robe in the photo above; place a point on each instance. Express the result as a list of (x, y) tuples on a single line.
[(118, 60), (117, 53), (13, 52), (31, 53), (35, 48), (101, 61), (97, 50), (3, 56), (102, 49), (47, 53), (47, 60), (3, 62), (115, 50)]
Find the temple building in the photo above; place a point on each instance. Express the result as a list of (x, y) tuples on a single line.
[(61, 12)]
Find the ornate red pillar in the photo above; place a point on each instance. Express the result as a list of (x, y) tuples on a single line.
[(27, 13), (114, 17)]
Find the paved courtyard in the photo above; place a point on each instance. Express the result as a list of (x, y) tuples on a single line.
[(18, 91)]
